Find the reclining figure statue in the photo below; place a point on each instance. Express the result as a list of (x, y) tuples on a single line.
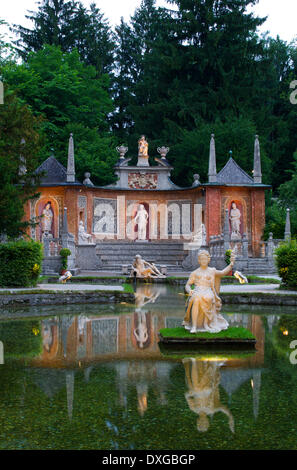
[(143, 269)]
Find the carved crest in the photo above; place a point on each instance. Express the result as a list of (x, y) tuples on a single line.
[(142, 181)]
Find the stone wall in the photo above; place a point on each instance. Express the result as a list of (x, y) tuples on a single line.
[(61, 298)]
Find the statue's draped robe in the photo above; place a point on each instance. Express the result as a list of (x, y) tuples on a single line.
[(204, 305)]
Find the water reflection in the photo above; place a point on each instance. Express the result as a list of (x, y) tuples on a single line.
[(110, 356), (128, 341), (144, 295), (203, 395), (128, 332), (142, 376)]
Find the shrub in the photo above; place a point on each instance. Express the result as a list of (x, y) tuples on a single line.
[(64, 253), (286, 261), (228, 256), (20, 263)]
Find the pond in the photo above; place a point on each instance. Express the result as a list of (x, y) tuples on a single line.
[(94, 377)]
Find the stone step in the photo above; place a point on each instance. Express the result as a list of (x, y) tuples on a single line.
[(118, 268), (151, 256), (114, 254), (147, 248), (148, 252)]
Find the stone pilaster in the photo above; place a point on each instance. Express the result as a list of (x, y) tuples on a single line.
[(212, 166), (288, 226), (257, 173), (71, 163)]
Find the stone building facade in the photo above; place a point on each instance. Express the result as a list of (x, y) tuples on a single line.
[(91, 216)]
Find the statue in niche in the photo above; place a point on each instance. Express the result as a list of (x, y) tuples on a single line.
[(47, 218), (204, 304), (83, 236), (235, 216), (143, 269), (200, 236), (141, 220), (142, 147), (203, 396)]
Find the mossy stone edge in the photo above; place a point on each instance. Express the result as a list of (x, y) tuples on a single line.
[(201, 339)]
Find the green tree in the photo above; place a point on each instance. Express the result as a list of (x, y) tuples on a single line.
[(6, 49), (20, 143), (190, 71), (140, 44), (190, 153), (70, 25), (205, 67), (71, 98)]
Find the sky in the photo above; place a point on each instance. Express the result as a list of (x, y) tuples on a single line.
[(281, 13)]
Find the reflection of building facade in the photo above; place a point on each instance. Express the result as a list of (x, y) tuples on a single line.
[(81, 342), (84, 341), (145, 204), (88, 338), (134, 355)]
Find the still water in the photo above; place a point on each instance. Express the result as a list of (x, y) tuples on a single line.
[(94, 377)]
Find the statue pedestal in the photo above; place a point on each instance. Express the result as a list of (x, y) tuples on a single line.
[(235, 237), (232, 337), (142, 161)]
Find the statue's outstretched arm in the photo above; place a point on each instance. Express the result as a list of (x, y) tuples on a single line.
[(228, 413), (227, 270)]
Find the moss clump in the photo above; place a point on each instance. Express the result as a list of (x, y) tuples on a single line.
[(128, 289), (230, 333)]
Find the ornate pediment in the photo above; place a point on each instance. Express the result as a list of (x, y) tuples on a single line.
[(142, 180)]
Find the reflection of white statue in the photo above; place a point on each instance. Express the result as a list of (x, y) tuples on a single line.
[(141, 219), (146, 294), (47, 218), (47, 336), (203, 396), (140, 331), (83, 236), (235, 216)]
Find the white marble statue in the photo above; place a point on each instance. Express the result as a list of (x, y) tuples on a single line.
[(204, 304), (200, 236), (143, 269), (235, 216), (83, 236), (65, 277), (47, 218), (141, 220)]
